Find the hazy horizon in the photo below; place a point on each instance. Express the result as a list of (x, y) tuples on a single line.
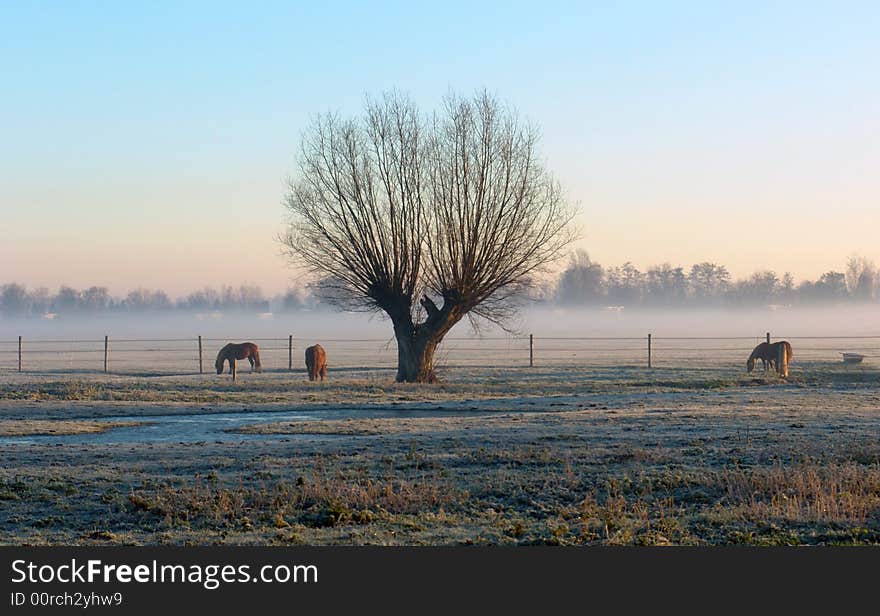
[(179, 292), (540, 320)]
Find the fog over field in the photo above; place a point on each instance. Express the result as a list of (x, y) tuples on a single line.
[(538, 320)]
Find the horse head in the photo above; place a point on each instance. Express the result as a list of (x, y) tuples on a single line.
[(750, 364), (221, 358)]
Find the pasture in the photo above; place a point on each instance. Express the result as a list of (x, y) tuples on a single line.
[(691, 451)]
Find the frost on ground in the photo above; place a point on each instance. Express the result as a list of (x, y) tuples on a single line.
[(29, 427), (561, 455)]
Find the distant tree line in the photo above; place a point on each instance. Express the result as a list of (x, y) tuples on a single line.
[(582, 283), (585, 282), (16, 300)]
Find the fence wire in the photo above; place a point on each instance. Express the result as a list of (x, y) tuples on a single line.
[(181, 355)]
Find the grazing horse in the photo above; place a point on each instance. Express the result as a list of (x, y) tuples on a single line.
[(233, 351), (777, 355), (764, 353), (316, 362)]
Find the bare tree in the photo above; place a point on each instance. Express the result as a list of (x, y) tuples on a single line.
[(861, 278), (66, 300), (204, 299), (95, 298), (786, 287), (625, 284), (582, 280), (146, 299), (760, 287), (13, 299), (426, 218), (708, 281), (665, 285)]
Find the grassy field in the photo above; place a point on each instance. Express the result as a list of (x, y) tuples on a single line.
[(555, 455)]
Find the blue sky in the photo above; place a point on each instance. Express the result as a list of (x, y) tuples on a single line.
[(141, 141)]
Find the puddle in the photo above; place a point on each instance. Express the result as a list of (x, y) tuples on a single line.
[(212, 426)]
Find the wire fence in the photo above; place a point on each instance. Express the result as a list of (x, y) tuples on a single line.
[(197, 354)]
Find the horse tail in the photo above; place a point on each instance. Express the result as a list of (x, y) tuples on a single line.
[(782, 358), (788, 355)]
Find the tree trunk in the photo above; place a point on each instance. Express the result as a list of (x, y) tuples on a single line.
[(415, 354), (417, 342)]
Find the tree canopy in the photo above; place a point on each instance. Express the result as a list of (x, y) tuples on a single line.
[(426, 217)]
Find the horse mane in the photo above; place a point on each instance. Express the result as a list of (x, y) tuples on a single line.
[(222, 355), (759, 350)]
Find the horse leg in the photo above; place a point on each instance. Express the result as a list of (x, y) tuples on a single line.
[(231, 366), (251, 359)]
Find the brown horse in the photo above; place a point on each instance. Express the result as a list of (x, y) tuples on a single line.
[(233, 351), (316, 362), (777, 355)]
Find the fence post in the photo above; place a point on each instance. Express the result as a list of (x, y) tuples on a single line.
[(19, 353), (649, 350), (290, 352), (201, 357), (106, 351), (768, 337), (531, 350)]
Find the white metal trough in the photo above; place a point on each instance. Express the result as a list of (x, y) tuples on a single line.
[(852, 358)]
